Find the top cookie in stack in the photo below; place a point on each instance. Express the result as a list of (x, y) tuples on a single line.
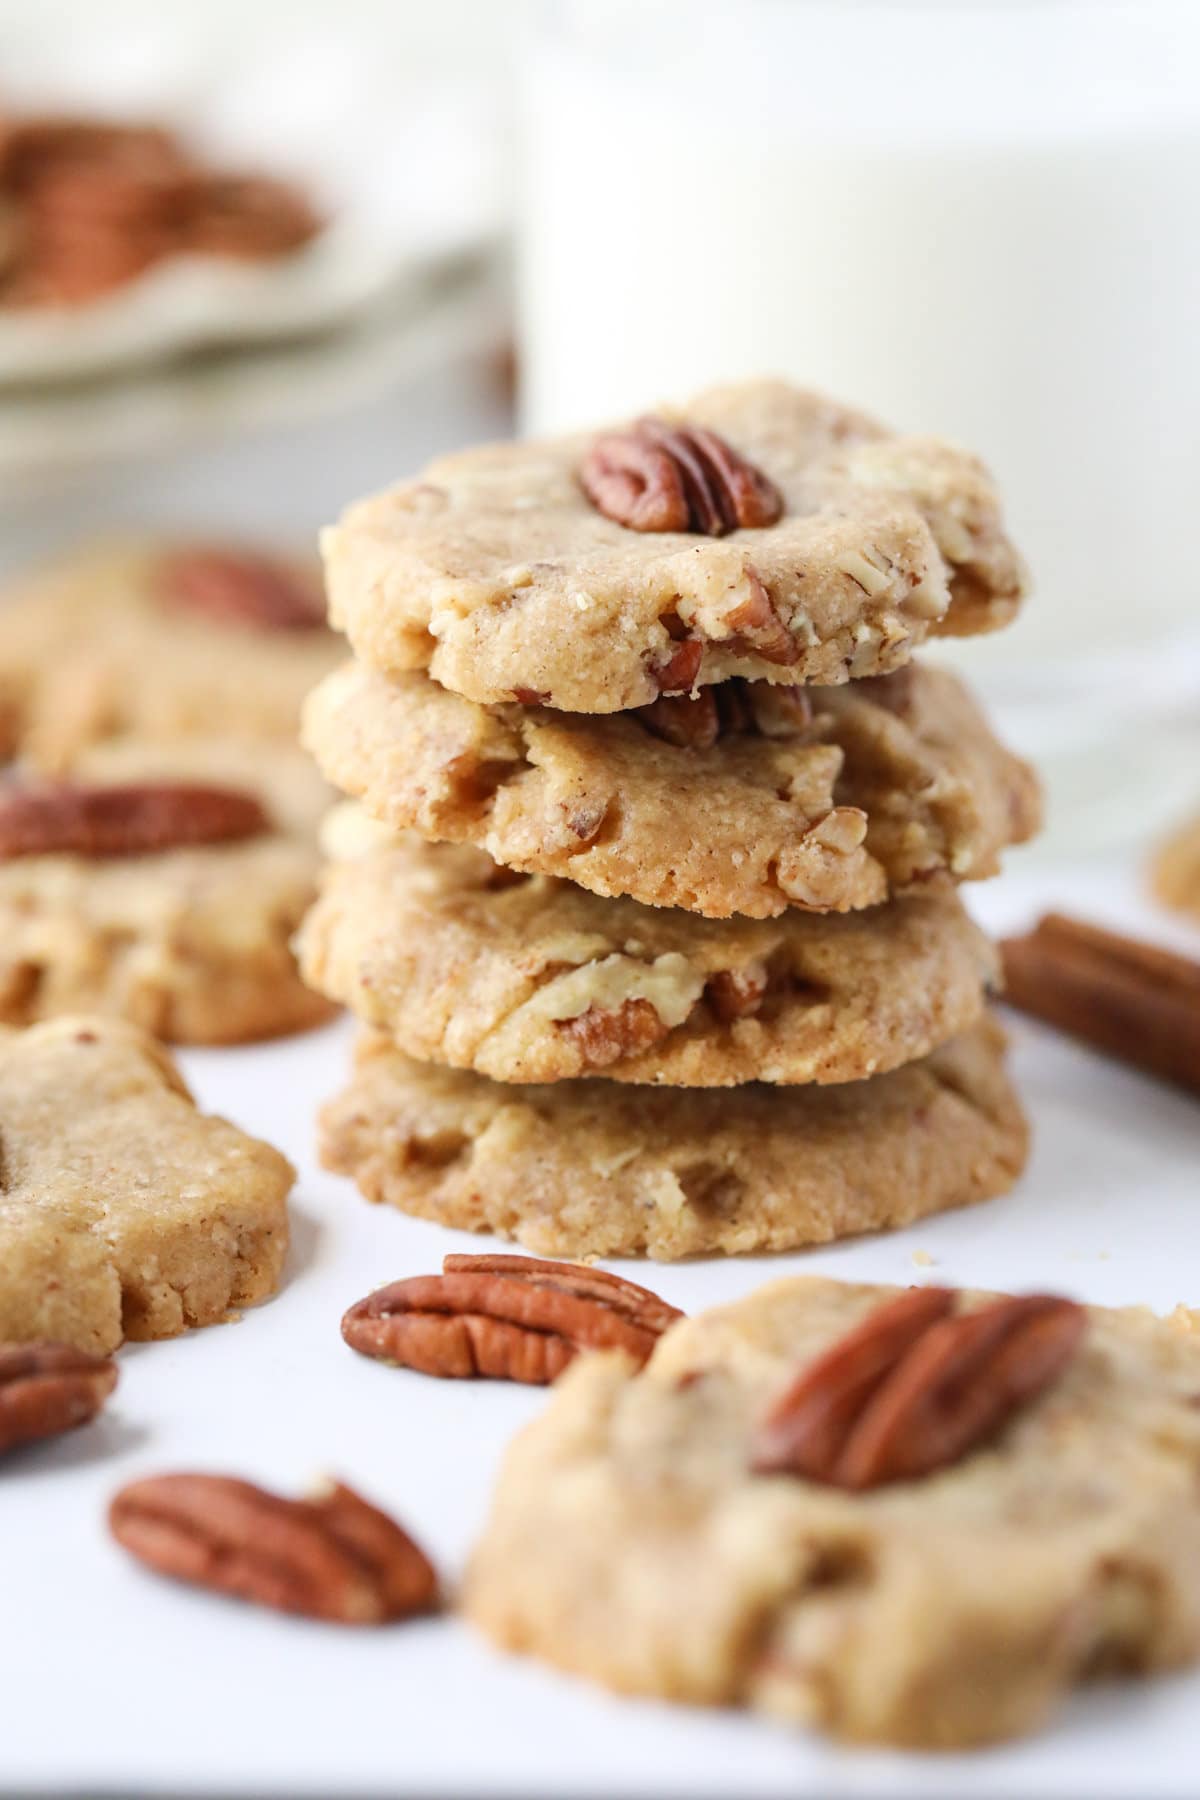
[(655, 683)]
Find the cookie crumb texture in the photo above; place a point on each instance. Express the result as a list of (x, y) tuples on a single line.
[(528, 979), (125, 1212), (628, 1542), (888, 785), (496, 573), (592, 1168)]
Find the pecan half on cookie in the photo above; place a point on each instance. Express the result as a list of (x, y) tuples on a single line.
[(48, 1388), (514, 1318), (134, 819), (662, 477), (916, 1386), (335, 1558)]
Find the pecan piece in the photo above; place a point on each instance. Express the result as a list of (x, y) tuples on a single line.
[(758, 629), (514, 1318), (736, 993), (46, 1388), (133, 819), (915, 1386), (677, 674), (661, 477), (691, 723), (236, 587), (334, 1557), (605, 1034)]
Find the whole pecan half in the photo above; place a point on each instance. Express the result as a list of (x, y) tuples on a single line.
[(237, 587), (334, 1557), (662, 477), (46, 1388), (133, 819), (514, 1318), (916, 1386)]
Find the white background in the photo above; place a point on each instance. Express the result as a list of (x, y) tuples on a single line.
[(112, 1679)]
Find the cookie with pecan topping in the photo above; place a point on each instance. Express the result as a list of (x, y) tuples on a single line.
[(158, 639), (827, 805), (527, 978), (1037, 1528), (760, 531), (125, 1212), (162, 883), (597, 1168)]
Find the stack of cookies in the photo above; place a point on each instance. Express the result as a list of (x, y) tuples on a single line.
[(649, 898)]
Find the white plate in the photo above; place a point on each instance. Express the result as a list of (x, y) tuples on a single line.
[(113, 1680)]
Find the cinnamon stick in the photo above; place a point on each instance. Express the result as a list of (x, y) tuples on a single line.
[(1132, 1000)]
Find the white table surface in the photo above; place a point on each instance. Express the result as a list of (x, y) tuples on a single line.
[(114, 1680)]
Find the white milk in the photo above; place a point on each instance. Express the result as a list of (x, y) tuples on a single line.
[(977, 219)]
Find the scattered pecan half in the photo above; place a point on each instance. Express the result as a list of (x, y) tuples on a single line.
[(236, 587), (334, 1557), (605, 1034), (135, 819), (662, 477), (46, 1388), (915, 1386), (514, 1318)]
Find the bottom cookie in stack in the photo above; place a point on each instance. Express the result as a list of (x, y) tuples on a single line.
[(594, 1168)]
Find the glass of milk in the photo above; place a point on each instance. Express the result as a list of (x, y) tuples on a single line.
[(974, 217)]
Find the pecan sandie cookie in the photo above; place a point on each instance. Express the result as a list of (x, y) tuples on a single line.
[(760, 531), (126, 1213), (745, 799), (913, 1518), (597, 1168), (527, 978)]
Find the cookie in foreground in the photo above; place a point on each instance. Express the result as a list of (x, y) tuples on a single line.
[(760, 531), (126, 1212), (526, 978), (997, 1504), (596, 1168), (162, 883), (746, 799)]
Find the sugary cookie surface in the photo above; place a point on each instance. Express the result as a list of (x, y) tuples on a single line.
[(631, 1541), (498, 573)]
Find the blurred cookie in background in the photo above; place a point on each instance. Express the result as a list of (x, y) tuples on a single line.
[(158, 639), (162, 883), (1175, 871)]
